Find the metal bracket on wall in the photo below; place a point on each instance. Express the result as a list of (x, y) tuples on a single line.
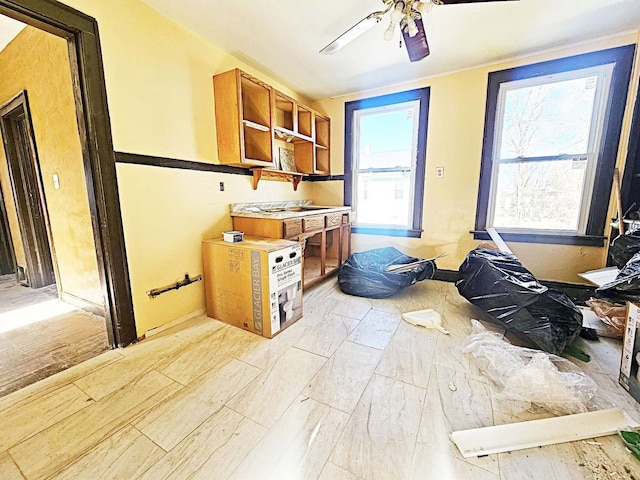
[(174, 286)]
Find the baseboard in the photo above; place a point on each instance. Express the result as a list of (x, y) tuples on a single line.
[(445, 275), (83, 304), (173, 323)]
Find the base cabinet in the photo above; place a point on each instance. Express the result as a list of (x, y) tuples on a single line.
[(325, 239)]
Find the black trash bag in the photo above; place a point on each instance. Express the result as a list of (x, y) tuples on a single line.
[(498, 284), (364, 274), (624, 247), (627, 282)]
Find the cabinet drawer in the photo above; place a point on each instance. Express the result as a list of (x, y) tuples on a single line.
[(334, 219), (310, 224), (291, 228)]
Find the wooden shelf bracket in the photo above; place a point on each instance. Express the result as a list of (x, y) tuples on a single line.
[(276, 175)]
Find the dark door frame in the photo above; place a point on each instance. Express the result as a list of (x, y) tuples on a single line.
[(7, 254), (81, 32), (26, 179)]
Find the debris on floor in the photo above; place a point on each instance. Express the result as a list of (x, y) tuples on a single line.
[(529, 379), (425, 318), (500, 285), (366, 274), (611, 317), (631, 440)]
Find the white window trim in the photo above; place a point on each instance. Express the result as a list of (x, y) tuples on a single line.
[(357, 114), (603, 86)]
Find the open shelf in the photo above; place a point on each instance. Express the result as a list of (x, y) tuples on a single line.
[(255, 101), (322, 131), (285, 116), (305, 122)]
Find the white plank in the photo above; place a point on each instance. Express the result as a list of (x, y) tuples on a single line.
[(536, 433), (497, 239)]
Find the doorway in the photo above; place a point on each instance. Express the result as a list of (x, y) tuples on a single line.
[(26, 182), (7, 256), (83, 42)]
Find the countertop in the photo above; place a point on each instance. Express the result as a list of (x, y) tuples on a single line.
[(283, 210)]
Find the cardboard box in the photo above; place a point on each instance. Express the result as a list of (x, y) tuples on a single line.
[(255, 284), (629, 367)]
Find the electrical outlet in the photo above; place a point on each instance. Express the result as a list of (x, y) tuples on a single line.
[(439, 172), (222, 186)]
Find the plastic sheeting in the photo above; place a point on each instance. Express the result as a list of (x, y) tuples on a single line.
[(529, 379), (498, 284), (364, 274), (627, 282), (624, 247)]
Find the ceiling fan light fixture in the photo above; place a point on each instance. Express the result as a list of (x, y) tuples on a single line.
[(351, 34)]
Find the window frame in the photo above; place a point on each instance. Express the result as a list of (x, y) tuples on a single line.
[(420, 94), (622, 60)]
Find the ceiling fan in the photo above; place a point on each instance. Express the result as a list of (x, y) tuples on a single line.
[(407, 14)]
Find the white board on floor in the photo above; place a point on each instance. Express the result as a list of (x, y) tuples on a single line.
[(601, 276), (536, 433)]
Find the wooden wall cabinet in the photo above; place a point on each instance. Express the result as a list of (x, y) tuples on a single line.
[(243, 120), (251, 116)]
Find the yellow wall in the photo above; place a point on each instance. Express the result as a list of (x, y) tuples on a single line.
[(38, 62), (454, 141), (160, 96)]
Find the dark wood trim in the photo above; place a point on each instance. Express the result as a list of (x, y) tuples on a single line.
[(81, 32), (631, 177), (83, 304), (323, 178), (165, 162), (149, 160), (28, 192), (7, 254), (583, 240), (622, 57), (422, 94), (577, 292)]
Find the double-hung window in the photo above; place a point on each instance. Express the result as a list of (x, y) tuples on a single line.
[(385, 143), (551, 141)]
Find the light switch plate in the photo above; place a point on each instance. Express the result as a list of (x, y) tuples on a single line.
[(56, 181)]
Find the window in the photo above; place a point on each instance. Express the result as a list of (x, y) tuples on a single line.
[(551, 139), (385, 152)]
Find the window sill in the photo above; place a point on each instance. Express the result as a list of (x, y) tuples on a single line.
[(387, 232), (582, 240)]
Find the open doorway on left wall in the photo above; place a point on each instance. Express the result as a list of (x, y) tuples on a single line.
[(52, 309)]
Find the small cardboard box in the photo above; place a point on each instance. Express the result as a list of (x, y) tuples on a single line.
[(629, 371), (255, 284)]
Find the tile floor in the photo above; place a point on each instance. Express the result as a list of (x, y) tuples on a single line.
[(348, 392)]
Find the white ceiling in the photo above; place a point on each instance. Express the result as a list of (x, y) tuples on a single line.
[(283, 37), (9, 28)]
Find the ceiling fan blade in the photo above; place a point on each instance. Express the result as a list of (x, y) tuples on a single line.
[(351, 34), (417, 46), (455, 2)]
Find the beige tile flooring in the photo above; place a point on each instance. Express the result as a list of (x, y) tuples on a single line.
[(348, 392)]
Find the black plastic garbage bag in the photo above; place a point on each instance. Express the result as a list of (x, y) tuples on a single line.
[(624, 247), (627, 282), (364, 274), (498, 284)]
